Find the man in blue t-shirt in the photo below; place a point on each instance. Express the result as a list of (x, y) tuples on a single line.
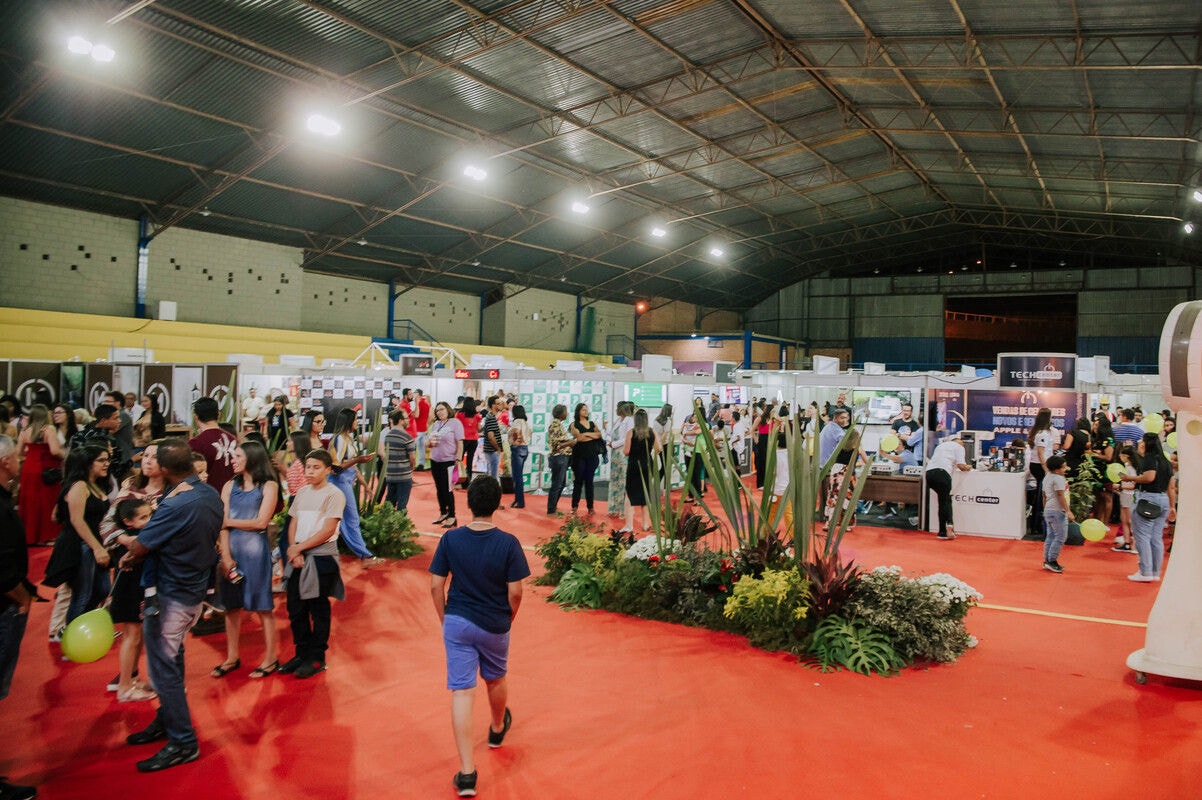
[(488, 567), (180, 542), (1127, 431)]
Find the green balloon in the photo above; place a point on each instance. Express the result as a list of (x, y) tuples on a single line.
[(1094, 530), (1153, 423), (889, 442), (88, 637), (1171, 439), (1114, 472)]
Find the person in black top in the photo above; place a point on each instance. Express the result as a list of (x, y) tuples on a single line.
[(16, 592), (585, 456), (279, 424), (904, 424), (1076, 442), (1152, 487)]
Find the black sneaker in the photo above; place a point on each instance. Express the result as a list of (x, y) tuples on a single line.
[(13, 791), (150, 606), (153, 732), (1052, 566), (496, 737), (1125, 547), (465, 785), (170, 756), (291, 665), (310, 668)]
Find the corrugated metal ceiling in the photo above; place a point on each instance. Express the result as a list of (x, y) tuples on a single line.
[(819, 135)]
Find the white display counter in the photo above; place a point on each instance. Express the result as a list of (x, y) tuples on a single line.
[(984, 504)]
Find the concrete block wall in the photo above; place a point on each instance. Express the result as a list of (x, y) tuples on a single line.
[(447, 316), (538, 318), (226, 280), (343, 305), (680, 317), (58, 259)]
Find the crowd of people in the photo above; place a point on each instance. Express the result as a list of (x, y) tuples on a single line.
[(160, 529)]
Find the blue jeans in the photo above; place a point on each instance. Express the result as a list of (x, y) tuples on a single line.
[(493, 460), (1055, 522), (349, 527), (421, 449), (559, 480), (12, 629), (90, 585), (1149, 534), (164, 635), (517, 466), (397, 493)]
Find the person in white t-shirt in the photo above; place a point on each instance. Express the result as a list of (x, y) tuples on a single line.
[(738, 438), (312, 573), (252, 408), (947, 456)]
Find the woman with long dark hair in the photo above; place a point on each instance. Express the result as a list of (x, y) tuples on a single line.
[(278, 424), (585, 456), (470, 422), (79, 556), (313, 425), (1042, 441), (519, 448), (1152, 487), (1076, 443), (348, 454), (298, 447), (250, 499), (763, 429), (639, 447), (445, 436)]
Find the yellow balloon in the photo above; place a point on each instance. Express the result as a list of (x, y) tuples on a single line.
[(889, 443), (1153, 423), (1171, 440), (88, 637), (1114, 472), (1094, 530)]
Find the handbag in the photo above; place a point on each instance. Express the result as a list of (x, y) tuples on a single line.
[(52, 476), (1147, 509)]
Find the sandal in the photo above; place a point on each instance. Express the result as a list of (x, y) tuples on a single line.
[(263, 672), (221, 670)]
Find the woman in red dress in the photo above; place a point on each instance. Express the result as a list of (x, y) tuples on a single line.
[(41, 449)]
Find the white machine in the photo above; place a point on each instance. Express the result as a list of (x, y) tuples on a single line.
[(1173, 645)]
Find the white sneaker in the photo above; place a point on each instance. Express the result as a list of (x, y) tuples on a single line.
[(1138, 578)]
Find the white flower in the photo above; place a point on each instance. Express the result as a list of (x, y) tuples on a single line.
[(649, 546)]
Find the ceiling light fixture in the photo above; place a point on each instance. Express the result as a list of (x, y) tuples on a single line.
[(474, 172), (1189, 227), (1062, 262), (659, 232), (717, 252), (579, 207), (319, 123), (1198, 195), (1013, 264), (83, 47), (204, 212), (361, 242)]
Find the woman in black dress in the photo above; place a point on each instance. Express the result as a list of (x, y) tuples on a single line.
[(79, 557), (640, 447)]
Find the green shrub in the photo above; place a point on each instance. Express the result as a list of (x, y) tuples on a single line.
[(854, 644), (626, 586), (578, 588), (389, 533), (576, 542), (770, 610), (923, 617)]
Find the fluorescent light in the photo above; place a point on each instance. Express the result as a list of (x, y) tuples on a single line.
[(103, 53), (579, 207), (658, 232), (323, 125), (1198, 195), (1189, 227), (361, 242), (717, 252), (79, 45), (474, 172)]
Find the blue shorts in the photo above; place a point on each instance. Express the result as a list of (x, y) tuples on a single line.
[(471, 648)]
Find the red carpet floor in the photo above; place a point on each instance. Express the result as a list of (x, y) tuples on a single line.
[(607, 706)]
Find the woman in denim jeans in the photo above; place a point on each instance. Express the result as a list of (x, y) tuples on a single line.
[(519, 449), (1152, 485), (559, 454)]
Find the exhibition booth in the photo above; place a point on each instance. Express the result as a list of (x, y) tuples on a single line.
[(988, 411)]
